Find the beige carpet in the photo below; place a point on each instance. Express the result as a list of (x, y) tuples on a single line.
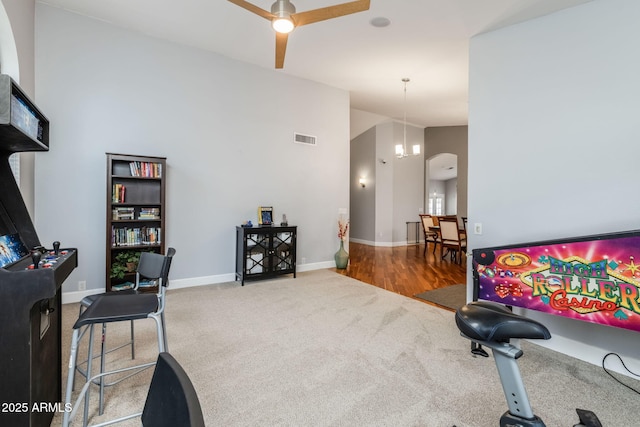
[(326, 350)]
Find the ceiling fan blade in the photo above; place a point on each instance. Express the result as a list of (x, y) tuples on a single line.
[(253, 8), (324, 13), (281, 48)]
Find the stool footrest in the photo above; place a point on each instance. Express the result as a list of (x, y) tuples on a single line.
[(93, 380)]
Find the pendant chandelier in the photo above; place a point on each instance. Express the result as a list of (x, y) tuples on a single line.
[(401, 149)]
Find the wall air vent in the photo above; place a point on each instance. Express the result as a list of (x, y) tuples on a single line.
[(300, 138)]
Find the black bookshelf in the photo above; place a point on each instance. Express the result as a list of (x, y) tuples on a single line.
[(136, 189)]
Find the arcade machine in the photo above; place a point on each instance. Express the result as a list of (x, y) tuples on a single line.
[(30, 279)]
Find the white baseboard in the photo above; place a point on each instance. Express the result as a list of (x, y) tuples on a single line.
[(315, 266), (76, 296), (201, 281)]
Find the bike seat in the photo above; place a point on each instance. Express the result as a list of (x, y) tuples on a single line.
[(486, 321)]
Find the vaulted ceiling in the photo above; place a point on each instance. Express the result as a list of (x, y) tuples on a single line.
[(426, 41)]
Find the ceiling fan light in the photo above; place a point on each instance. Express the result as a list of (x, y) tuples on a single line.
[(282, 11), (416, 149), (283, 25), (399, 150)]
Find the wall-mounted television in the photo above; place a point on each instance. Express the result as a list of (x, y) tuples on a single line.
[(591, 278), (22, 126)]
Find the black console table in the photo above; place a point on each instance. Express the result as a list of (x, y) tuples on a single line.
[(265, 252)]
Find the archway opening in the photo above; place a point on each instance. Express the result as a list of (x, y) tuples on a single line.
[(441, 184)]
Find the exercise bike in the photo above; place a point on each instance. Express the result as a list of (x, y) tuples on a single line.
[(493, 325)]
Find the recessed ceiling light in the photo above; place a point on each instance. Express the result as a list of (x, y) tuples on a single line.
[(380, 22)]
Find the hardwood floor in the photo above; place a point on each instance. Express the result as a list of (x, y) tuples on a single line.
[(403, 269)]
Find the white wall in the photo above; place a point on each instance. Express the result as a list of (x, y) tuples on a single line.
[(17, 61), (553, 142), (361, 121), (16, 42), (225, 127)]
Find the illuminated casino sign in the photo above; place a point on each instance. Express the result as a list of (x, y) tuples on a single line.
[(594, 279)]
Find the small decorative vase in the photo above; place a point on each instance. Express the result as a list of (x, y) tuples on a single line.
[(341, 257)]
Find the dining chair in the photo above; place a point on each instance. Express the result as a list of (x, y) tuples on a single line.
[(464, 227), (429, 235), (452, 238)]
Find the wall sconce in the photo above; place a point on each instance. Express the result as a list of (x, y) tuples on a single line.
[(362, 182)]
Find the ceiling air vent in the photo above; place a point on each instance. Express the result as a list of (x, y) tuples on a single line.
[(304, 139)]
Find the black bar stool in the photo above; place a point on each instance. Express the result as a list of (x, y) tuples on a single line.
[(118, 307)]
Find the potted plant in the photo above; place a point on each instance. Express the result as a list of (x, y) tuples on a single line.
[(125, 262)]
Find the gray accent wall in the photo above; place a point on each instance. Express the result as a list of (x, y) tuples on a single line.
[(451, 197), (395, 187), (454, 140), (363, 200)]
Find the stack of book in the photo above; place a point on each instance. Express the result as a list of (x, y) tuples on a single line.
[(120, 214), (149, 213)]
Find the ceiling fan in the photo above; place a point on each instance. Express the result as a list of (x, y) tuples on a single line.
[(284, 18)]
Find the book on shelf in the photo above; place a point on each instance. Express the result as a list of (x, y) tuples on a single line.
[(135, 236), (146, 169), (122, 286), (117, 193), (148, 283), (129, 214)]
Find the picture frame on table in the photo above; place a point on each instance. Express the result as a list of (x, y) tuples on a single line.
[(265, 215)]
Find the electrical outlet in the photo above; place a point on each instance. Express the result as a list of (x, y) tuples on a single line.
[(303, 261), (477, 228), (82, 285)]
